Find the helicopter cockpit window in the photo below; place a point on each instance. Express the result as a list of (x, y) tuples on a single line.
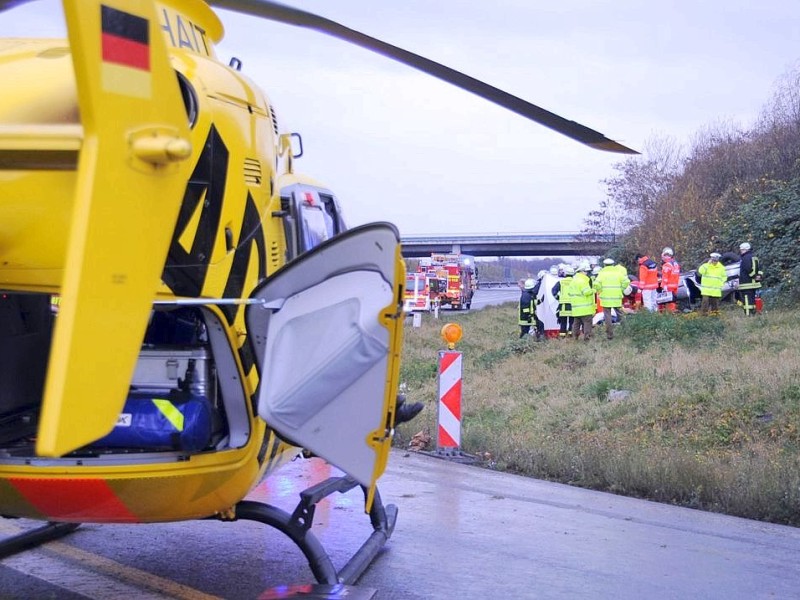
[(315, 228), (333, 217), (189, 99)]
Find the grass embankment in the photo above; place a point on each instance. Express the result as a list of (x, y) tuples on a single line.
[(711, 421)]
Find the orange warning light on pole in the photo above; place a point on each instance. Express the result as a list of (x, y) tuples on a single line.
[(451, 334)]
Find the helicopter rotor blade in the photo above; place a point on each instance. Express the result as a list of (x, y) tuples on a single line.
[(9, 4), (275, 11)]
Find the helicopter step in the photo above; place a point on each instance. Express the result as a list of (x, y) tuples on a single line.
[(297, 526)]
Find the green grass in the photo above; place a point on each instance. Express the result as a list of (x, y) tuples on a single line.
[(710, 417)]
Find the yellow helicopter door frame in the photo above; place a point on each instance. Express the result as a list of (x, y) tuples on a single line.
[(327, 335), (128, 192)]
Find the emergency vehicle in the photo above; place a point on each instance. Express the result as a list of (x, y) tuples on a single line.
[(457, 279), (422, 292), (443, 280)]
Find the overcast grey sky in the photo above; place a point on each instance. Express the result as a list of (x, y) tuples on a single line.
[(396, 145)]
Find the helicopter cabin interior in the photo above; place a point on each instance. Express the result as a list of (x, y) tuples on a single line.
[(311, 215), (176, 403)]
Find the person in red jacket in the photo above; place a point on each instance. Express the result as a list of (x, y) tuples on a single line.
[(648, 281), (670, 278)]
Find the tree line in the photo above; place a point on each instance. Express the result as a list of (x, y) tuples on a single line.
[(729, 185)]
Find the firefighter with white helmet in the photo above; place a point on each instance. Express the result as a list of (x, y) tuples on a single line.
[(538, 298), (609, 285), (561, 293), (749, 279), (583, 302), (712, 276), (527, 304)]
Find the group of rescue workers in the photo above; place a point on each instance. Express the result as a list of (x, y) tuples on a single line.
[(584, 291)]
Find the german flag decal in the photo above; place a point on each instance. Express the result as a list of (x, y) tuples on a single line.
[(126, 53)]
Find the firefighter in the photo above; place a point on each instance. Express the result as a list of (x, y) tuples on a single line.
[(537, 300), (749, 279), (610, 285), (712, 277), (648, 281), (670, 278), (561, 293), (593, 277), (582, 299), (527, 304)]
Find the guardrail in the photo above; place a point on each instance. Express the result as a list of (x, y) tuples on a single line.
[(485, 285)]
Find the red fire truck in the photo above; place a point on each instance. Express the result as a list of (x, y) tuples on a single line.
[(442, 280)]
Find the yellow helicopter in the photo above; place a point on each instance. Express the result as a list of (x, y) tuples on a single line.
[(181, 312)]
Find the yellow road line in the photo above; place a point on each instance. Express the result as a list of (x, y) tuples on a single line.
[(94, 576)]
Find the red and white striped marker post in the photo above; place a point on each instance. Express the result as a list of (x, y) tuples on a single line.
[(449, 432), (448, 437)]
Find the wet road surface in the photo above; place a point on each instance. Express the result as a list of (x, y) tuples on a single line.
[(462, 532)]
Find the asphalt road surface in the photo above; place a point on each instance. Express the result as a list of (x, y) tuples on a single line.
[(494, 296), (462, 532)]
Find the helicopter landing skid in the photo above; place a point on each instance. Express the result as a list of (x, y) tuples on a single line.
[(34, 537), (297, 527)]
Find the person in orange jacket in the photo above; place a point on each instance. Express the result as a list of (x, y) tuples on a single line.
[(670, 278), (648, 281)]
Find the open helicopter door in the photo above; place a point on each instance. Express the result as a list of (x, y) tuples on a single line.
[(327, 334), (131, 177)]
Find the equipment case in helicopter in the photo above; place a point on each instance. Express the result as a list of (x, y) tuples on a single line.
[(167, 368), (168, 406)]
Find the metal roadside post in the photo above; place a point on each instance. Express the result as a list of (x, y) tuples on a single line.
[(448, 436)]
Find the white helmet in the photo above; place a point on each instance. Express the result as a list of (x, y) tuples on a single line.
[(744, 247), (596, 270), (584, 266), (608, 261), (554, 270), (667, 252), (530, 284), (569, 271)]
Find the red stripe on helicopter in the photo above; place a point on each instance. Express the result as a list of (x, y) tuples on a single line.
[(76, 500), (125, 38)]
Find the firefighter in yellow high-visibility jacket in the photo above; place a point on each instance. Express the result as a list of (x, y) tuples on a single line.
[(610, 286), (583, 302), (712, 277)]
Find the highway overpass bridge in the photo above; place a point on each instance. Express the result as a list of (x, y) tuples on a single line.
[(507, 244)]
